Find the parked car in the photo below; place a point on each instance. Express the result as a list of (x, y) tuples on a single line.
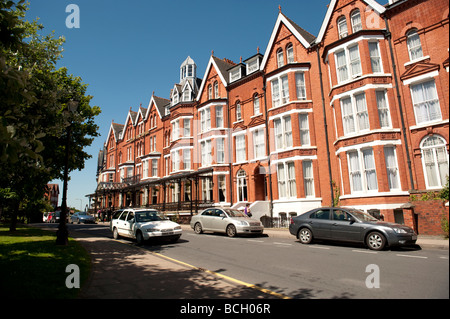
[(82, 217), (142, 224), (352, 225), (224, 220)]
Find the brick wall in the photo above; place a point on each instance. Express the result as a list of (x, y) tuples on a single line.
[(426, 216)]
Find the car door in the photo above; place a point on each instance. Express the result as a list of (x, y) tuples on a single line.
[(320, 222), (129, 224), (207, 219), (219, 221), (121, 224), (344, 227)]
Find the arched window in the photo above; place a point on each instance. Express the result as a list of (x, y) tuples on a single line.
[(280, 58), (256, 108), (434, 161), (356, 21), (238, 111), (342, 27), (209, 92), (414, 45), (241, 177), (216, 90), (290, 53)]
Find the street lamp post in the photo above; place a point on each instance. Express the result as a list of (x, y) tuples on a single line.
[(62, 235)]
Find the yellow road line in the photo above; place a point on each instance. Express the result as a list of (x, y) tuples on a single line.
[(239, 282)]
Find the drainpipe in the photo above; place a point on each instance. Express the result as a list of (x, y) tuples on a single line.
[(399, 100), (268, 149), (326, 126)]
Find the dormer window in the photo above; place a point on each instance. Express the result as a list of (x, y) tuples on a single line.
[(187, 95), (235, 74), (252, 66), (175, 98)]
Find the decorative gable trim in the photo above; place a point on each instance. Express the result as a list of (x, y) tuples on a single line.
[(419, 70), (211, 63), (282, 19)]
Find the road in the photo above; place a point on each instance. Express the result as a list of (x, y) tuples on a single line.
[(321, 270)]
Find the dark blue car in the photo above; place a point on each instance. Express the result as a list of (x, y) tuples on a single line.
[(351, 225)]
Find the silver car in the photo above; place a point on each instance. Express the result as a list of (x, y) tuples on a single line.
[(224, 220), (352, 225)]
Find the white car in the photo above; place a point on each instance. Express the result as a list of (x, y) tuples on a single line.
[(142, 224)]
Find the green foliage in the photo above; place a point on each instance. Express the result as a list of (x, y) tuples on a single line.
[(444, 226), (34, 117)]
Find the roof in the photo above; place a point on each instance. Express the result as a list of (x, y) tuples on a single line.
[(221, 66)]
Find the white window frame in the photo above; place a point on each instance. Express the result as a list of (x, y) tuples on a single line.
[(241, 155), (375, 59), (416, 104), (308, 179), (356, 116), (259, 144), (342, 27), (283, 135), (413, 52), (362, 170), (392, 171), (355, 19), (349, 64), (442, 149)]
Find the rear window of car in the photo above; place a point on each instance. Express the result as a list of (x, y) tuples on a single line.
[(321, 214)]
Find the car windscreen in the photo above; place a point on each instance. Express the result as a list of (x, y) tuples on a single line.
[(235, 213), (363, 216), (148, 216)]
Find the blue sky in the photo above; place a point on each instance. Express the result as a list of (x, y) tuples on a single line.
[(125, 50)]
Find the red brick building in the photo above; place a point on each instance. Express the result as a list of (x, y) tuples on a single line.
[(355, 116)]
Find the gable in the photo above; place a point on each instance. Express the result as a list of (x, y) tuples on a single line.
[(283, 28), (331, 15), (215, 67)]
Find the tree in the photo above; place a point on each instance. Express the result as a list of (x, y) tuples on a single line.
[(33, 116)]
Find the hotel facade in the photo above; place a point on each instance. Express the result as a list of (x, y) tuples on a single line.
[(355, 116)]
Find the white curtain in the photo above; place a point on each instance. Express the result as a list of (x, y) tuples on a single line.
[(426, 102), (304, 129), (291, 180), (288, 131), (361, 112), (308, 178), (347, 116), (355, 62), (383, 110), (342, 66), (355, 173), (375, 57), (369, 166), (391, 167)]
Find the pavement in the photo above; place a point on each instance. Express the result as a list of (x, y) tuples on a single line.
[(122, 270)]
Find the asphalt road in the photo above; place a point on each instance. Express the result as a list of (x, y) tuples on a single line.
[(320, 270)]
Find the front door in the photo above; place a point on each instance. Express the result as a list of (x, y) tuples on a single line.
[(343, 228)]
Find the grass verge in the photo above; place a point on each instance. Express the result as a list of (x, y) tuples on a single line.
[(32, 266)]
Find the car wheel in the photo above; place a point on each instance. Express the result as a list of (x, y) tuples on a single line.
[(139, 238), (198, 228), (115, 233), (305, 235), (376, 241), (231, 230)]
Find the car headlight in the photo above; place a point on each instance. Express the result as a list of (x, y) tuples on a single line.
[(177, 227), (150, 230), (399, 230), (242, 223)]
